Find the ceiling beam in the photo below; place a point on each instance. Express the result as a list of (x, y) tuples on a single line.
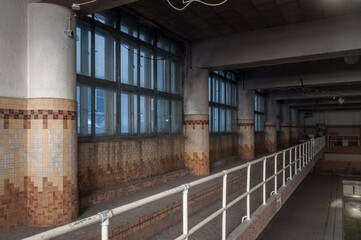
[(313, 40)]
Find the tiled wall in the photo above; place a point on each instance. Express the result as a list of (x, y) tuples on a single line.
[(246, 138), (270, 139), (222, 146), (38, 142), (285, 135), (259, 143), (196, 130), (108, 164)]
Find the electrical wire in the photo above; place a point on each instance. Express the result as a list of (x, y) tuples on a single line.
[(199, 1), (127, 48)]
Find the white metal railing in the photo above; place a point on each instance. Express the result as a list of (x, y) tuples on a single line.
[(303, 154)]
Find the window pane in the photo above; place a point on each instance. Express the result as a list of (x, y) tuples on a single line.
[(105, 111), (83, 96), (129, 28), (163, 74), (128, 113), (215, 118), (234, 94), (83, 48), (176, 77), (104, 55), (146, 114), (210, 118), (255, 102), (128, 62), (146, 68), (222, 121), (215, 89), (228, 94), (163, 43), (105, 18), (163, 115), (210, 88), (228, 120), (222, 92), (146, 35), (175, 48), (177, 116), (229, 75)]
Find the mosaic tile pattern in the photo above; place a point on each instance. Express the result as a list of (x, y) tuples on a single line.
[(197, 144), (246, 138), (38, 168), (270, 136), (109, 164)]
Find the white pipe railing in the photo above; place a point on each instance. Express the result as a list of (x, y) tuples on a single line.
[(303, 153)]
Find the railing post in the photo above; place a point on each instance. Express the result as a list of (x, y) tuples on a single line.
[(290, 163), (185, 210), (248, 188), (275, 173), (264, 181), (306, 151), (299, 158), (106, 215), (283, 169), (296, 159), (224, 205), (303, 155)]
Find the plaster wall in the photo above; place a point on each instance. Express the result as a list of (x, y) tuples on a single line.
[(13, 50)]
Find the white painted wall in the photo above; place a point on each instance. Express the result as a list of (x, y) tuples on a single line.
[(347, 117), (52, 59), (13, 48)]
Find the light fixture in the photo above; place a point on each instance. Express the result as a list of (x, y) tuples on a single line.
[(341, 100), (77, 6), (188, 2)]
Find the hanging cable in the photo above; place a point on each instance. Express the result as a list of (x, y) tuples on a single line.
[(199, 1)]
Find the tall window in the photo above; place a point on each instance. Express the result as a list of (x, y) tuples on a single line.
[(129, 79), (258, 112), (278, 117), (222, 101)]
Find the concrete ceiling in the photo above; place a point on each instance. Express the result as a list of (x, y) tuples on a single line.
[(237, 16)]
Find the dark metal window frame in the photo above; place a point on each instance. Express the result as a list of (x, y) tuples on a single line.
[(225, 106), (94, 82)]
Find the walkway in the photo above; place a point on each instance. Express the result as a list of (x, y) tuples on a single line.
[(314, 211)]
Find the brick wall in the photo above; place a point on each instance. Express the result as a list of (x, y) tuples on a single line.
[(222, 146), (108, 164)]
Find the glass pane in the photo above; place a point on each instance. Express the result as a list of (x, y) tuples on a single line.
[(177, 116), (146, 112), (215, 89), (229, 75), (83, 48), (129, 28), (128, 113), (228, 93), (83, 96), (175, 48), (210, 118), (222, 92), (105, 18), (210, 88), (163, 115), (228, 120), (176, 77), (128, 62), (105, 47), (215, 118), (146, 35), (234, 94), (105, 111), (146, 68), (163, 74), (222, 120), (163, 43), (255, 102)]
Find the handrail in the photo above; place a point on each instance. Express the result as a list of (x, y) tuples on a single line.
[(303, 154)]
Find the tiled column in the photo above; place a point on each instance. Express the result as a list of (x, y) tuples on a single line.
[(51, 179), (285, 125), (245, 122), (270, 125), (294, 125), (196, 121)]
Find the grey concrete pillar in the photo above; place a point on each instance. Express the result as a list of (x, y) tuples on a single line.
[(196, 122), (52, 167), (285, 125), (294, 125), (245, 122), (270, 124)]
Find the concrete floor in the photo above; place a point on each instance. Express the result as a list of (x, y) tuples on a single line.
[(314, 211)]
